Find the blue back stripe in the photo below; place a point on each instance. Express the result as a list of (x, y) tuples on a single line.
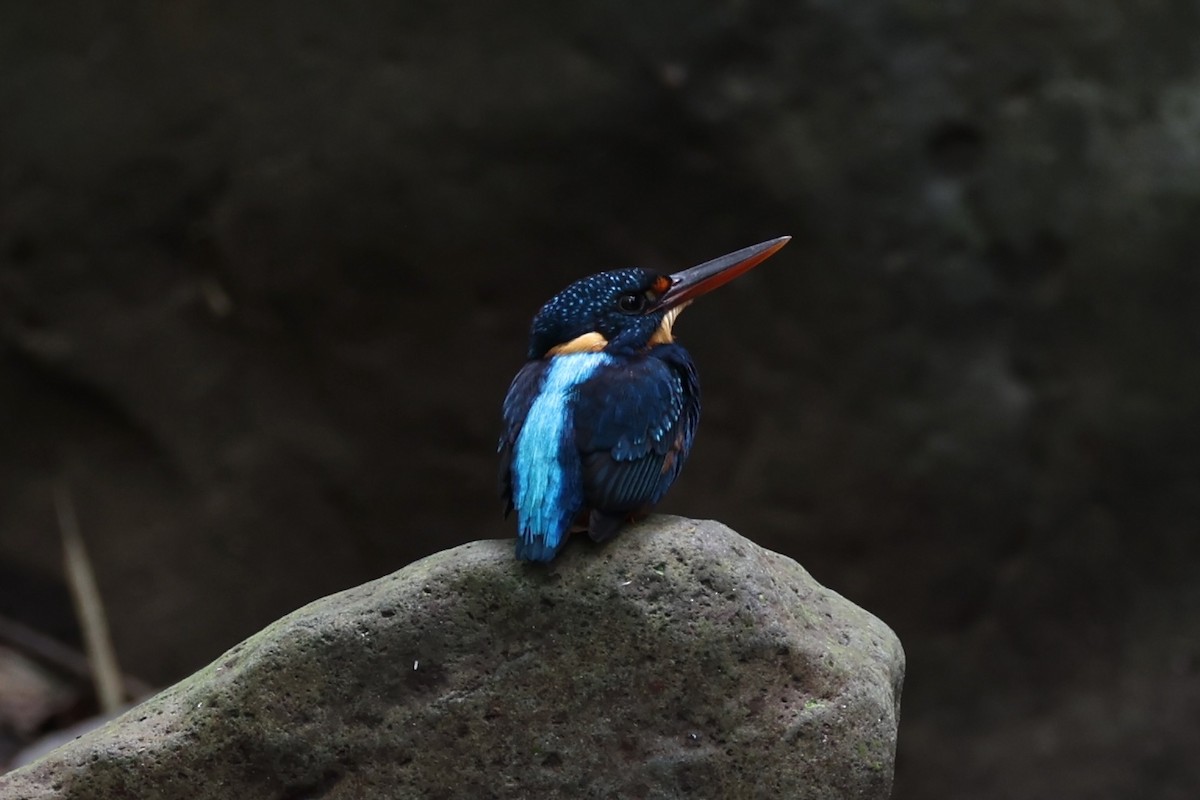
[(541, 492)]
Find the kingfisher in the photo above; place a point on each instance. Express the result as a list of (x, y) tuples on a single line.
[(599, 420)]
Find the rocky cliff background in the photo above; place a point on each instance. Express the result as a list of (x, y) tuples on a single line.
[(266, 269)]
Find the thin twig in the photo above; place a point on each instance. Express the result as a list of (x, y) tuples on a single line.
[(60, 657), (106, 673)]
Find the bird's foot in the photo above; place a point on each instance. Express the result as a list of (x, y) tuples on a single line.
[(602, 527)]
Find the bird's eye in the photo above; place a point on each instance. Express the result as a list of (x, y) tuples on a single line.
[(631, 303)]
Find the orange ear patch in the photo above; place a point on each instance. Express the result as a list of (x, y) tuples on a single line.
[(587, 343)]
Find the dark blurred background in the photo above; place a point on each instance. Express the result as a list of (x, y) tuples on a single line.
[(266, 269)]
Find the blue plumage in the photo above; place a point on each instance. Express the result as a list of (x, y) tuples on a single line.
[(547, 483), (599, 421), (592, 438)]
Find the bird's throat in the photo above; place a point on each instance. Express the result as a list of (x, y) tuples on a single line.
[(663, 334)]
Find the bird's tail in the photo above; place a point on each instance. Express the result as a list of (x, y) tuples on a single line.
[(536, 548)]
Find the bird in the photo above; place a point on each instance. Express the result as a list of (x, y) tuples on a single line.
[(598, 422)]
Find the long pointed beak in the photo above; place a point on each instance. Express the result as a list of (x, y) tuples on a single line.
[(703, 278)]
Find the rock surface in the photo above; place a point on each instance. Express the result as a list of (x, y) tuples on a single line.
[(681, 660)]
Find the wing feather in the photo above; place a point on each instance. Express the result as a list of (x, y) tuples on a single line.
[(634, 424), (521, 394)]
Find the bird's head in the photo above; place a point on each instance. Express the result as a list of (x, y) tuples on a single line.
[(628, 310)]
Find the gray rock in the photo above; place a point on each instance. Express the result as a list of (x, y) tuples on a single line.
[(681, 659)]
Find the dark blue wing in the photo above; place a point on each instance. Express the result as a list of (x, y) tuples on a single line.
[(634, 424), (521, 394)]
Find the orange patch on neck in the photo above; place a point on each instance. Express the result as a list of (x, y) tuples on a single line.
[(663, 334), (587, 343)]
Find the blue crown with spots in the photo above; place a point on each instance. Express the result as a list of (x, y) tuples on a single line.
[(591, 305)]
